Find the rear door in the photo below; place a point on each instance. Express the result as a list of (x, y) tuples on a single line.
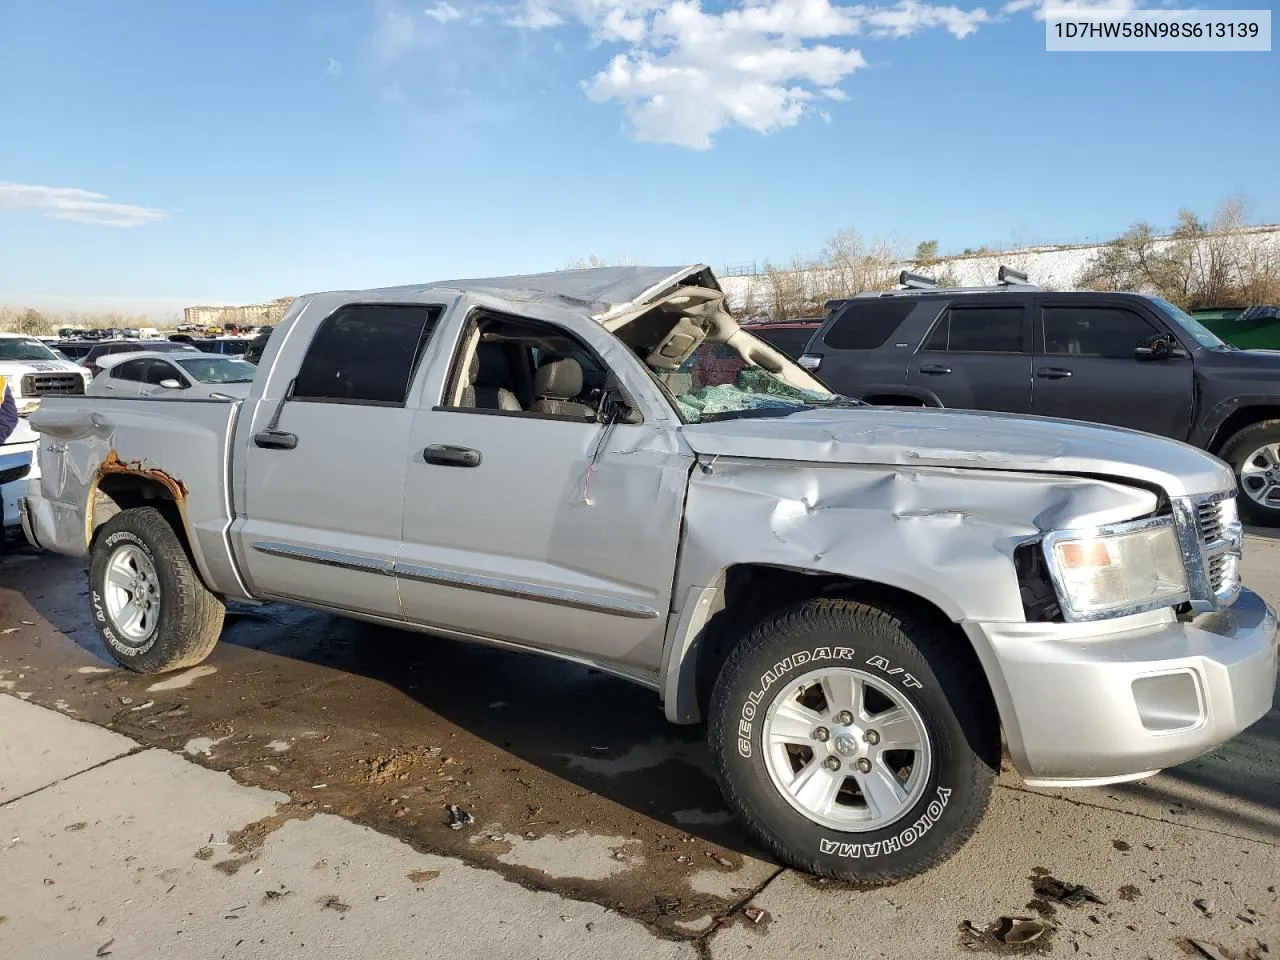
[(324, 480), (1086, 368), (978, 356)]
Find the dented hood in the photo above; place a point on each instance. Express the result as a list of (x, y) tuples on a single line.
[(968, 439)]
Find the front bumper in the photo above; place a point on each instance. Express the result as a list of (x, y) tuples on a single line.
[(1084, 704)]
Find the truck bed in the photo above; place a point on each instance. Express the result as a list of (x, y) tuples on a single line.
[(86, 441)]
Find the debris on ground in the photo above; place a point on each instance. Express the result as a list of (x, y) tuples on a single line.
[(1121, 845), (1070, 894), (1005, 931), (333, 903), (1205, 906), (105, 949), (458, 818), (1204, 949), (423, 876), (667, 905), (754, 913)]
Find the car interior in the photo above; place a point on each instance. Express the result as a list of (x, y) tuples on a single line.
[(521, 366)]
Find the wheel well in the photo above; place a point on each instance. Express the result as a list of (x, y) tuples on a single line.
[(894, 400), (1237, 421), (118, 492), (753, 591)]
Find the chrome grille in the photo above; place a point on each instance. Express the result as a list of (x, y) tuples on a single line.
[(1220, 542), (52, 384)]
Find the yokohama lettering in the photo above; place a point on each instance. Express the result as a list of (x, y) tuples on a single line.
[(856, 851)]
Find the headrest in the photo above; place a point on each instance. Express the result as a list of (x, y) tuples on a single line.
[(558, 380), (489, 367)]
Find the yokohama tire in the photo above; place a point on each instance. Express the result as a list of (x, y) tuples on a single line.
[(1237, 452), (929, 672), (188, 618)]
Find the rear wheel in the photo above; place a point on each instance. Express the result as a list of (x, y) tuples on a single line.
[(855, 742), (1254, 455), (151, 609)]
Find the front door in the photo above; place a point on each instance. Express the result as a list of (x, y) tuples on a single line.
[(1086, 368), (976, 357), (324, 484), (525, 518)]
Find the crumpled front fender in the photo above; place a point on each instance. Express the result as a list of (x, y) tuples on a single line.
[(946, 535)]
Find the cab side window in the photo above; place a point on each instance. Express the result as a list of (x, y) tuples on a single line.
[(519, 367)]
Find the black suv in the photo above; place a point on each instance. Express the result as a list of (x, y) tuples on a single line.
[(1116, 358)]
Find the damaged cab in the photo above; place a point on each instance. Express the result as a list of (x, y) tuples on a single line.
[(861, 603)]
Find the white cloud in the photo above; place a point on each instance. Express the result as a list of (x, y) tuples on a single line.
[(686, 74), (334, 68), (1076, 8), (443, 12), (72, 203)]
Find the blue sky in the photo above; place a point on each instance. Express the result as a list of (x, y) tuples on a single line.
[(247, 149)]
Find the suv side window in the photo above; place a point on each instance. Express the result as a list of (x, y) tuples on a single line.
[(867, 324), (1094, 331), (974, 328), (366, 353), (135, 370)]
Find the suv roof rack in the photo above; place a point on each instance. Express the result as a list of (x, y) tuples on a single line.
[(916, 281)]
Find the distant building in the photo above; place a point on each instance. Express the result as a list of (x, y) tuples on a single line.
[(255, 315)]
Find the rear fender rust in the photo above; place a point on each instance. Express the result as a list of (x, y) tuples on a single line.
[(113, 465)]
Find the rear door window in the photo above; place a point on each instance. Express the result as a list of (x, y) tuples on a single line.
[(978, 328), (135, 370), (867, 324), (366, 353)]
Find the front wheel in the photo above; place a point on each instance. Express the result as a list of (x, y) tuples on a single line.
[(151, 609), (1254, 455), (855, 742)]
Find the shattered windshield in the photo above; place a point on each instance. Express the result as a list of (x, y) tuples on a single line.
[(716, 382)]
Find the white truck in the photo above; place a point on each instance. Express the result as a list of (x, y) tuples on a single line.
[(32, 372)]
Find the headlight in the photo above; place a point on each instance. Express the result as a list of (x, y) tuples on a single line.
[(1118, 569)]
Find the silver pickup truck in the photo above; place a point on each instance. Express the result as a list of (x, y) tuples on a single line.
[(861, 603)]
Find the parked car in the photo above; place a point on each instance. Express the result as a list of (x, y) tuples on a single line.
[(856, 599), (191, 375), (1122, 359), (231, 346), (92, 358), (789, 336), (74, 350), (253, 353)]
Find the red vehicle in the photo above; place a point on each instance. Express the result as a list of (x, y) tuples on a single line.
[(789, 336)]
